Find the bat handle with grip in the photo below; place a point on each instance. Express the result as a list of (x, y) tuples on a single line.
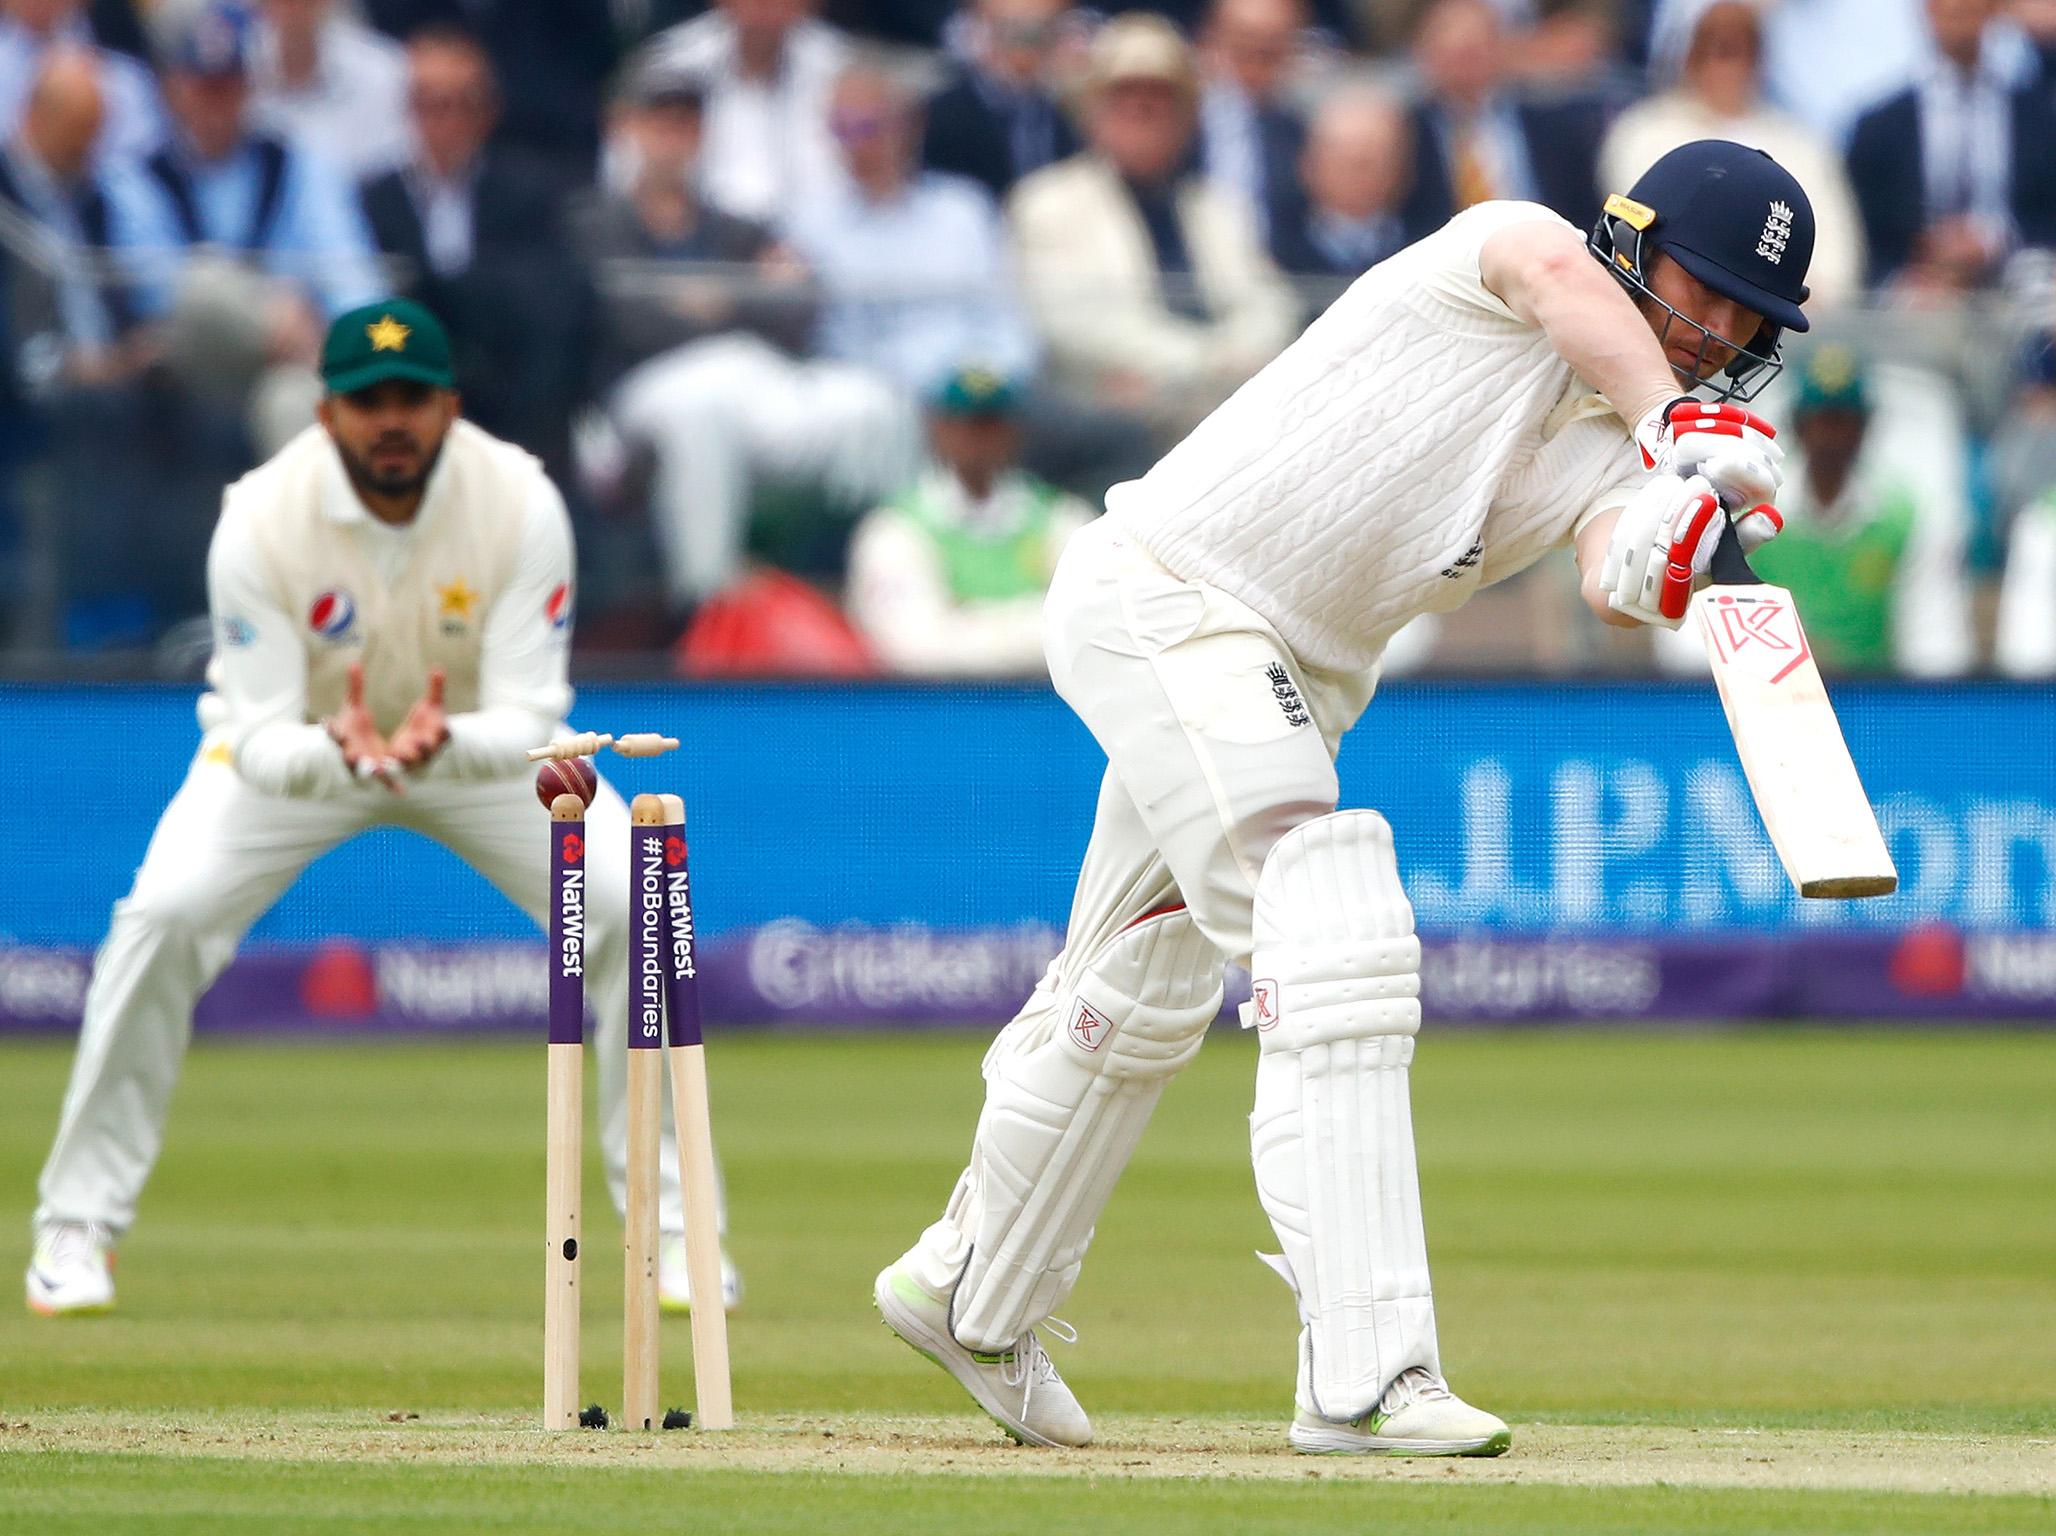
[(1730, 566)]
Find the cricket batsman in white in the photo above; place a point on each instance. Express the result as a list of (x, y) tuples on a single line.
[(392, 598), (1499, 390)]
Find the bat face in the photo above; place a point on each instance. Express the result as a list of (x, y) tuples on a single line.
[(1799, 769)]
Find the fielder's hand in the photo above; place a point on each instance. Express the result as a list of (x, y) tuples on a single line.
[(352, 730), (1663, 542), (1736, 450), (422, 734)]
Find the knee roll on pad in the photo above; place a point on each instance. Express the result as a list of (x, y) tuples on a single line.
[(1070, 1088), (1336, 1002)]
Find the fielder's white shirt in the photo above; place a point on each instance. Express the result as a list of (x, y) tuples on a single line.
[(1418, 442), (302, 580)]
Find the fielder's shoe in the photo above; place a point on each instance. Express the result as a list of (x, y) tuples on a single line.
[(1417, 1416), (71, 1273), (674, 1285), (1019, 1387)]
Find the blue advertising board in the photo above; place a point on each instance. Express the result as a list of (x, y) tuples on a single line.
[(1559, 841)]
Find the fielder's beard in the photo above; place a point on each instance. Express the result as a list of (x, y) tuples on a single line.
[(367, 480)]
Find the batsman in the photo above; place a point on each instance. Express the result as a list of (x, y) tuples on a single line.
[(391, 597), (1503, 388)]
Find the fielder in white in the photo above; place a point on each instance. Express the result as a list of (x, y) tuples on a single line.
[(1482, 398), (391, 597)]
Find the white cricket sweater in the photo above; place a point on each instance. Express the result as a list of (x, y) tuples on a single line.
[(302, 581), (1418, 442)]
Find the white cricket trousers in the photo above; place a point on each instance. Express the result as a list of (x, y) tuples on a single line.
[(1218, 739), (1218, 742), (221, 855), (728, 413)]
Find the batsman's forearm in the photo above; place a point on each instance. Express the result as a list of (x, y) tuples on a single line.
[(1596, 328)]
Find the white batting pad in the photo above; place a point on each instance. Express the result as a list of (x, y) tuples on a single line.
[(1069, 1089), (1336, 984)]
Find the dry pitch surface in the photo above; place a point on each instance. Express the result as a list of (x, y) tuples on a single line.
[(1129, 1446)]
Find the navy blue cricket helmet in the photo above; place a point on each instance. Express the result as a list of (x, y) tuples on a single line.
[(1736, 220)]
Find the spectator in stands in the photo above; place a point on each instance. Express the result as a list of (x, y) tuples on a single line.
[(221, 182), (1877, 530), (1958, 169), (552, 58), (1575, 46), (2025, 645), (948, 577), (1474, 140), (244, 242), (1714, 60), (769, 68), (332, 81), (477, 233), (71, 324), (1825, 61), (1250, 134), (996, 119), (2022, 471), (1149, 286), (29, 29), (1358, 156), (73, 351), (699, 355), (2026, 642), (912, 264)]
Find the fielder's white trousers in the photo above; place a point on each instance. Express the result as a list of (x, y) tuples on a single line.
[(221, 855), (729, 412)]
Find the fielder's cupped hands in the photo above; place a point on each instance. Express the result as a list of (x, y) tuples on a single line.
[(352, 729), (1734, 449), (1663, 543), (422, 734)]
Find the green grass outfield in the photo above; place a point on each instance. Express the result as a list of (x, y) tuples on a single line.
[(1745, 1282)]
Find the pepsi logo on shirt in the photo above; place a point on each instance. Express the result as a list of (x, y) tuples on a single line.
[(332, 614)]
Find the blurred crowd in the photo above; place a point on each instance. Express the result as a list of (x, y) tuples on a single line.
[(833, 320)]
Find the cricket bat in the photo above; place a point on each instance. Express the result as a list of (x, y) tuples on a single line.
[(1791, 746)]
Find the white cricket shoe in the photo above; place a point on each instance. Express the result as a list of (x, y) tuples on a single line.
[(1019, 1387), (674, 1284), (1417, 1416), (71, 1273)]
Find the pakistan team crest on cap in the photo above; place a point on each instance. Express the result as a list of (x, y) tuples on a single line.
[(332, 614), (387, 334)]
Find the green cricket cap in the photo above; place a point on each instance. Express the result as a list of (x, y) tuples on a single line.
[(396, 339), (1832, 379), (975, 392)]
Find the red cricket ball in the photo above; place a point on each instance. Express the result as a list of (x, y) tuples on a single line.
[(567, 776)]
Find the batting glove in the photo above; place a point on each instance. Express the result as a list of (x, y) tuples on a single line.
[(1663, 542), (1736, 450)]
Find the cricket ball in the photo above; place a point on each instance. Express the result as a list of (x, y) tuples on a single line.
[(567, 776)]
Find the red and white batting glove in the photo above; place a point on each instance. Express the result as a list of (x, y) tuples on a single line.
[(1663, 542), (1736, 450)]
